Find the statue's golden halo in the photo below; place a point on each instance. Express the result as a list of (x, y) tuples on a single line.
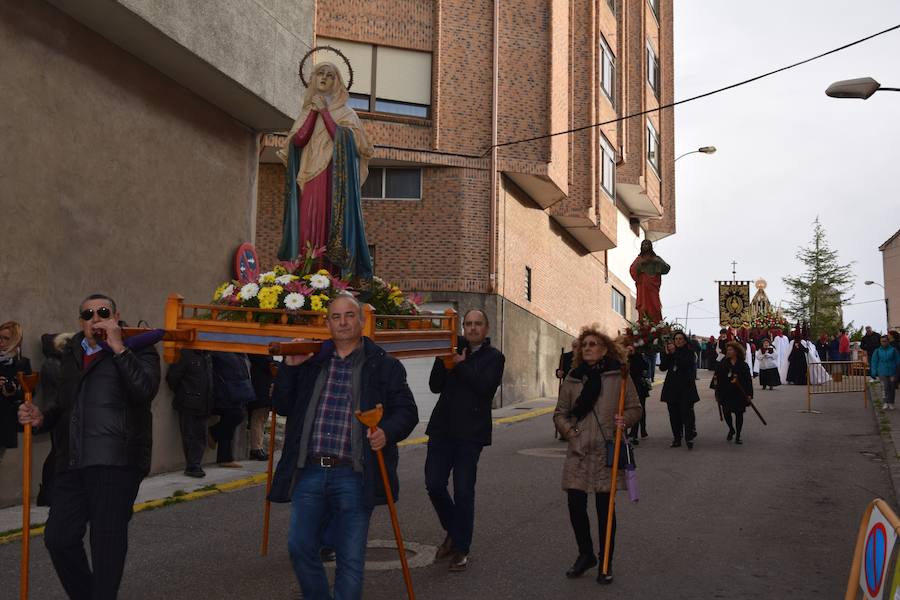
[(330, 49)]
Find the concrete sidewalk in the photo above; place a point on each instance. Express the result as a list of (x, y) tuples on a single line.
[(164, 488)]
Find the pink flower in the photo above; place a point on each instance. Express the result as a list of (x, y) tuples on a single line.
[(340, 285)]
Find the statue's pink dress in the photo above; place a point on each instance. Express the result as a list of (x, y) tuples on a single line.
[(315, 200)]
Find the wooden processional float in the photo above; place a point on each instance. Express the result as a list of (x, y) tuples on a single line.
[(220, 328)]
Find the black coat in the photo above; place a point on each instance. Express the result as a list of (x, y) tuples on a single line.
[(232, 388), (383, 382), (681, 376), (729, 394), (9, 405), (105, 409), (870, 342), (637, 367), (261, 377), (463, 410), (191, 378)]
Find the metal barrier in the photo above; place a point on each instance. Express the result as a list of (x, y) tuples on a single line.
[(835, 377)]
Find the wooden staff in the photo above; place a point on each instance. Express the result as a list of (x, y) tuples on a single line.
[(748, 399), (264, 551), (29, 383), (371, 419), (611, 512)]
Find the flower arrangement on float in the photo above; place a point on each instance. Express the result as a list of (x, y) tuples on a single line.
[(768, 321), (649, 337), (297, 288)]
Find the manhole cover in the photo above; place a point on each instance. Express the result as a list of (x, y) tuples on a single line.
[(554, 452), (381, 555)]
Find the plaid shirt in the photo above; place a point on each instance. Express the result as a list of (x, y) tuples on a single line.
[(334, 416)]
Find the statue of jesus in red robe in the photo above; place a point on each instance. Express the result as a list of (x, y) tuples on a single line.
[(647, 271)]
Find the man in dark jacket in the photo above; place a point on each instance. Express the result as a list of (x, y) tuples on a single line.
[(460, 426), (328, 468), (191, 378), (871, 341), (102, 433)]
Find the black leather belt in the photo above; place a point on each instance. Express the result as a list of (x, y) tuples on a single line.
[(327, 462)]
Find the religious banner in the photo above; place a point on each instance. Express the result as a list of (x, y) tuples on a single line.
[(734, 303)]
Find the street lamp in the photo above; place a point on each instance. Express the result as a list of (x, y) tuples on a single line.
[(861, 88), (887, 310), (688, 309), (702, 150)]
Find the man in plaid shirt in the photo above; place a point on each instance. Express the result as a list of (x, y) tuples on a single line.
[(328, 469)]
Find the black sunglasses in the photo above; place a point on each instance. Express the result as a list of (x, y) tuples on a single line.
[(87, 314)]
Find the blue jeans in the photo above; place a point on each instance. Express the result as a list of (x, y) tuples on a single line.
[(333, 497), (457, 514)]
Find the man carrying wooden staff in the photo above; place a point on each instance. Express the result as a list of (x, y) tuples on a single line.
[(101, 425), (328, 468)]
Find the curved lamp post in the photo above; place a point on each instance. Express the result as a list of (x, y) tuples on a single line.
[(702, 150), (887, 311)]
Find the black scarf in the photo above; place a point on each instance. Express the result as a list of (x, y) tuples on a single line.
[(593, 384)]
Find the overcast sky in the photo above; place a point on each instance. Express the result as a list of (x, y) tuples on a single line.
[(786, 152)]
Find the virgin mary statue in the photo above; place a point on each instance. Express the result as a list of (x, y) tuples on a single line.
[(327, 157)]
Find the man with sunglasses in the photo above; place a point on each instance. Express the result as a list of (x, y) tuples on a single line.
[(99, 416), (459, 428)]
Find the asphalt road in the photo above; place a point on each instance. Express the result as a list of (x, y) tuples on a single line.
[(775, 518)]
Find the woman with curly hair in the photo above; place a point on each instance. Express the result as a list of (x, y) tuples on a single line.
[(734, 383), (586, 417)]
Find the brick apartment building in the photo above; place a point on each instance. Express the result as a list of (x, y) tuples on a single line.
[(538, 234)]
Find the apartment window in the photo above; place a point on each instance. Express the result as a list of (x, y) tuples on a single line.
[(652, 146), (608, 167), (618, 301), (612, 5), (387, 80), (607, 71), (652, 70), (654, 6), (393, 184), (528, 284)]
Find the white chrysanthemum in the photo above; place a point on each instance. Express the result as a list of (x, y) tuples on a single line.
[(294, 301), (228, 291), (319, 282), (267, 277), (249, 291), (286, 279)]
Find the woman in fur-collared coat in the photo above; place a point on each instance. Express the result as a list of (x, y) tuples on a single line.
[(585, 416)]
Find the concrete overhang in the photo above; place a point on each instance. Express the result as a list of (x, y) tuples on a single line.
[(539, 188), (586, 232), (235, 55), (635, 198)]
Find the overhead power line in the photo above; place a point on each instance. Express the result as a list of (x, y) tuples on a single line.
[(698, 96)]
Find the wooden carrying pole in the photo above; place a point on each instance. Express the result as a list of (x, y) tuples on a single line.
[(371, 419), (29, 383), (611, 512), (264, 551)]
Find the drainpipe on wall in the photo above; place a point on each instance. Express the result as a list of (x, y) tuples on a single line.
[(494, 250)]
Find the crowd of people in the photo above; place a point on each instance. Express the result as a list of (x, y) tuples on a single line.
[(97, 388)]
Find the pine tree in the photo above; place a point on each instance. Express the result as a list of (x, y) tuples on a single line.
[(823, 287)]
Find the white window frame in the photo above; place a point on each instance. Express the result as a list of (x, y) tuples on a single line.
[(653, 135), (616, 294), (384, 184), (607, 58), (653, 75), (607, 155)]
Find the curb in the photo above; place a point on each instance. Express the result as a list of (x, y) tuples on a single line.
[(258, 479), (888, 447), (228, 486)]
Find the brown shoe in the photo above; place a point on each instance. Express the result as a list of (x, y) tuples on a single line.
[(459, 562), (445, 550), (231, 465)]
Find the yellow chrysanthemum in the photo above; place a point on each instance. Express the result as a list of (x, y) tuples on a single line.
[(279, 270), (315, 303), (268, 296), (398, 300), (220, 289), (323, 272)]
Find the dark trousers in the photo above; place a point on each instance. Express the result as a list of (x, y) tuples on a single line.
[(681, 418), (103, 497), (642, 424), (223, 433), (581, 523), (457, 514), (738, 423), (193, 438)]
